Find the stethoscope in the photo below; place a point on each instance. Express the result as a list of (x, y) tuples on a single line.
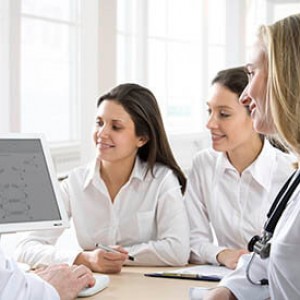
[(261, 244)]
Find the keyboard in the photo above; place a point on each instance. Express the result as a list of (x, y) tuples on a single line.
[(101, 282)]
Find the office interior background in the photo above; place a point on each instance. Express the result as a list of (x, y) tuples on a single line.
[(58, 56)]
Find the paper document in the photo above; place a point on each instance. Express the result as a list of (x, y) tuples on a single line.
[(199, 272)]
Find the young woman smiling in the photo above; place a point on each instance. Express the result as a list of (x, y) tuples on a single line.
[(129, 197), (231, 186)]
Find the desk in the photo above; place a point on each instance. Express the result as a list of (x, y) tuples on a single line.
[(132, 284)]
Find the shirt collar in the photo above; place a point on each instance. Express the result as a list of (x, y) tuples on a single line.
[(139, 169), (93, 169), (264, 165), (260, 169), (138, 172)]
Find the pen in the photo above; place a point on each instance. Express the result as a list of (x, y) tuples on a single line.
[(192, 276), (108, 249)]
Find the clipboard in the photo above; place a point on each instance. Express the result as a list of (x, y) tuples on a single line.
[(199, 272), (184, 276)]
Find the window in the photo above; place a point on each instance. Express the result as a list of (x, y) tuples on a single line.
[(4, 67), (49, 73), (266, 12), (173, 47), (58, 56), (49, 65), (176, 47)]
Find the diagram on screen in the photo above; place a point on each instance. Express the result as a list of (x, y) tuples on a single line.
[(14, 190), (26, 190)]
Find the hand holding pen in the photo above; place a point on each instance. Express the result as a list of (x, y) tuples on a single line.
[(103, 261), (109, 249)]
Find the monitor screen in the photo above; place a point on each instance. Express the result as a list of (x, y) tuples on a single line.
[(29, 192)]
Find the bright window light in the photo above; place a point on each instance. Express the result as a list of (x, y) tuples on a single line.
[(49, 68)]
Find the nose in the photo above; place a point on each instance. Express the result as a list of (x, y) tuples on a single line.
[(102, 131), (245, 98), (211, 122)]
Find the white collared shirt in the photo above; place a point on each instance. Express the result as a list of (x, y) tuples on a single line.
[(281, 268), (220, 201), (15, 284), (147, 217)]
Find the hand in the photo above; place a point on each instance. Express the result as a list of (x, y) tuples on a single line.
[(68, 281), (220, 293), (230, 257), (102, 261)]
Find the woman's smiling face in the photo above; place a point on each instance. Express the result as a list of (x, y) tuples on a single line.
[(114, 134), (229, 122), (255, 96)]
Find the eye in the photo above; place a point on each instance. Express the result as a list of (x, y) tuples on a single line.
[(99, 123), (209, 111), (224, 114), (116, 128)]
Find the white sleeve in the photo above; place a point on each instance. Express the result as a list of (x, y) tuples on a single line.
[(240, 286), (171, 246), (17, 285), (203, 250), (38, 247)]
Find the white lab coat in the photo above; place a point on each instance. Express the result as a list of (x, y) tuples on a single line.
[(281, 268), (17, 285)]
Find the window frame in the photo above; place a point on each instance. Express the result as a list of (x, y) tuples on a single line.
[(65, 154)]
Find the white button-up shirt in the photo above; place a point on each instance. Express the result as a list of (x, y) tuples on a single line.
[(147, 218), (281, 268), (220, 201), (16, 285)]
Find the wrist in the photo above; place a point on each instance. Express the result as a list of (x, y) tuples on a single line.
[(83, 258), (220, 257)]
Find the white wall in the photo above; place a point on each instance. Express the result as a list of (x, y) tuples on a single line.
[(185, 147)]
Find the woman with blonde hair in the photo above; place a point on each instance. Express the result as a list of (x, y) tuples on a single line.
[(273, 97)]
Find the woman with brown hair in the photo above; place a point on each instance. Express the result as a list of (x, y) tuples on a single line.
[(232, 184), (129, 197)]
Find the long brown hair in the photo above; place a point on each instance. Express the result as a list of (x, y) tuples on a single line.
[(142, 106)]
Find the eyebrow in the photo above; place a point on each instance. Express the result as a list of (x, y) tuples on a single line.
[(100, 117), (122, 120), (220, 106)]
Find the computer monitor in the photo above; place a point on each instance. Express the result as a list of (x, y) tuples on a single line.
[(29, 191)]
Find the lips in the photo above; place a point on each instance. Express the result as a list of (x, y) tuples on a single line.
[(103, 146), (217, 136)]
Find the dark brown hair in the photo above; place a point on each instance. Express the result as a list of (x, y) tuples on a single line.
[(142, 106), (235, 79)]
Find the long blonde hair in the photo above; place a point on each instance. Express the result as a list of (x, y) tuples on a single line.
[(281, 42)]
